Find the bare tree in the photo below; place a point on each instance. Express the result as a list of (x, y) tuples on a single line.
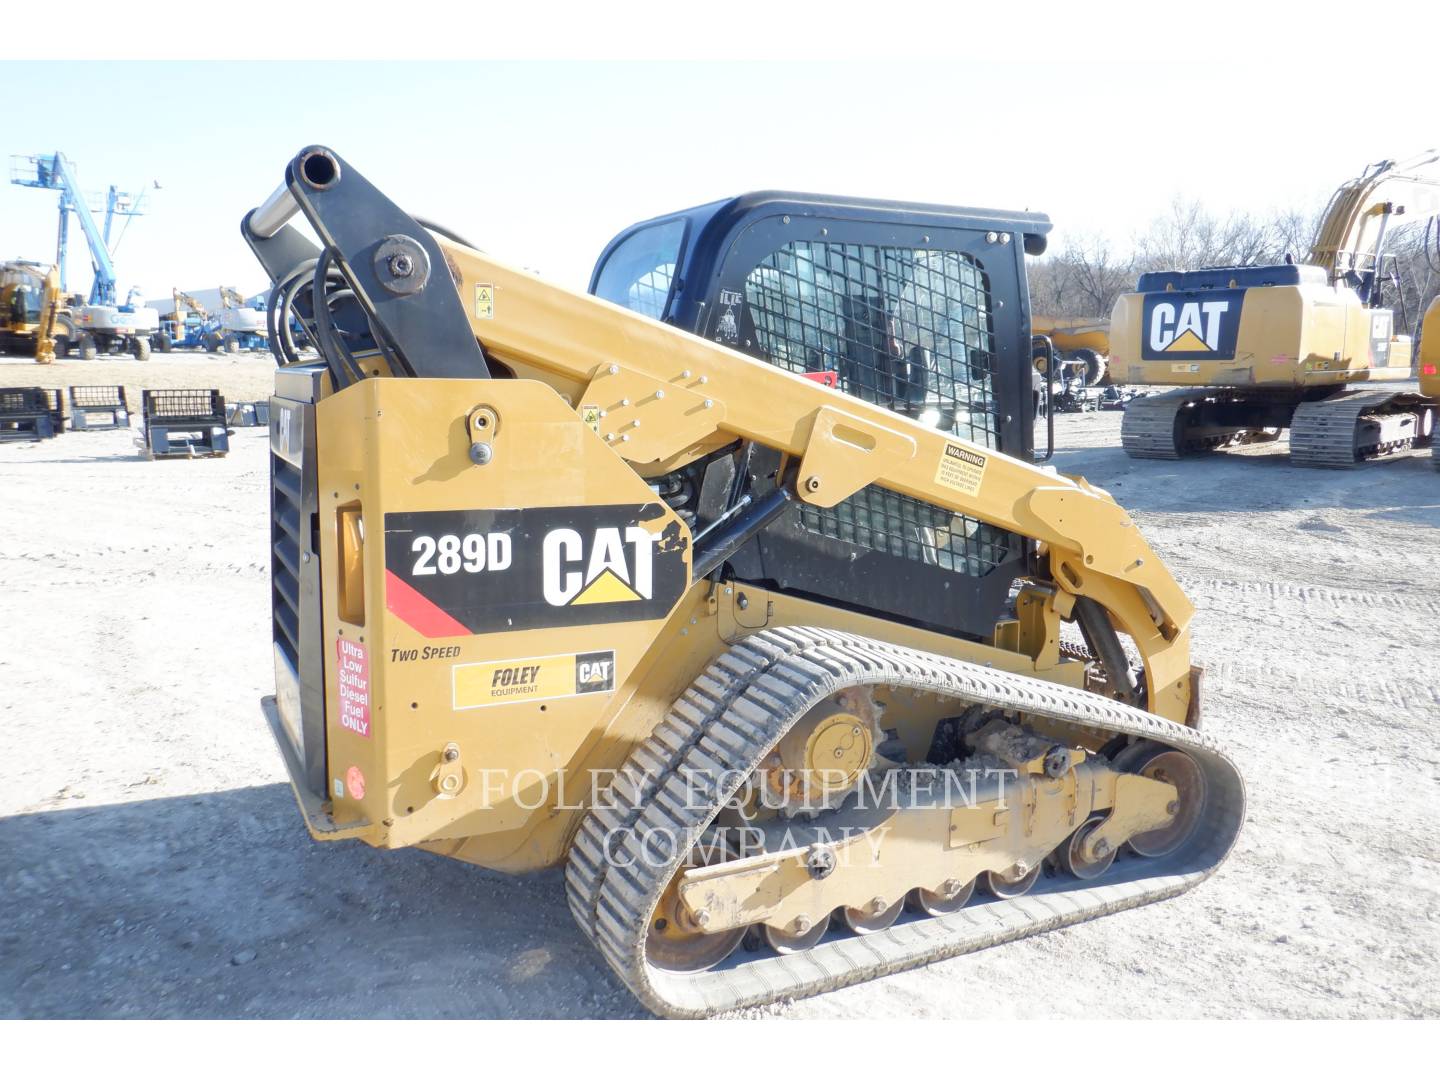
[(1191, 238), (1084, 279)]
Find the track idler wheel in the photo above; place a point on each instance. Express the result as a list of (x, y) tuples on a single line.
[(873, 917), (802, 934), (1072, 855), (950, 898), (1008, 884), (676, 942), (1178, 768)]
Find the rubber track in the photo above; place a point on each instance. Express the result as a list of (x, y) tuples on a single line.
[(1147, 429), (1322, 434), (727, 722)]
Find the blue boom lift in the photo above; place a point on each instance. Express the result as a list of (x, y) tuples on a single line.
[(103, 323)]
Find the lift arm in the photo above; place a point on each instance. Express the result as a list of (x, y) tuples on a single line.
[(661, 397), (189, 301)]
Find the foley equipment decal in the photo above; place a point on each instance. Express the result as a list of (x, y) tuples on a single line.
[(1195, 325), (537, 678), (454, 572)]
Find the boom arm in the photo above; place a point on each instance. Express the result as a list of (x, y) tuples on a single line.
[(662, 397), (189, 301), (1351, 237), (57, 172)]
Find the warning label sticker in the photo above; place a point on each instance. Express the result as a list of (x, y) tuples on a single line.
[(536, 678), (590, 416), (484, 301), (961, 469), (354, 683)]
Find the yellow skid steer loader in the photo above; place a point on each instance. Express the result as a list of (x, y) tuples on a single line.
[(730, 588)]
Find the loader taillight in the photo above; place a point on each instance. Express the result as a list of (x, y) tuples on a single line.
[(1427, 369), (351, 535)]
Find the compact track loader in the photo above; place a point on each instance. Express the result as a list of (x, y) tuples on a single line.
[(730, 588), (1258, 349)]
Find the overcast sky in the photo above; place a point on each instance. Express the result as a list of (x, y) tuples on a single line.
[(541, 163)]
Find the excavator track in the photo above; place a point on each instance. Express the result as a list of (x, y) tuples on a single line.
[(1156, 427), (723, 727), (1344, 431), (1148, 427)]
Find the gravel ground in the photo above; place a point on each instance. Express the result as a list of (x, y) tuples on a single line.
[(153, 864)]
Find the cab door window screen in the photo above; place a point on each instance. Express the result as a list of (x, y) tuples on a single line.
[(906, 328)]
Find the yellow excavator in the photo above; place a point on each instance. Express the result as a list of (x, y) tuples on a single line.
[(1258, 349), (184, 327), (32, 318), (731, 588)]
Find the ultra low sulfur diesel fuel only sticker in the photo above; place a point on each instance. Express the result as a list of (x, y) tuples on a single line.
[(535, 678)]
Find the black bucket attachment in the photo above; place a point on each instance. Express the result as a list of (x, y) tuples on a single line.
[(26, 414), (185, 423), (95, 407)]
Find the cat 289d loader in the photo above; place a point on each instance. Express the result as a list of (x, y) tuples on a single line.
[(729, 589)]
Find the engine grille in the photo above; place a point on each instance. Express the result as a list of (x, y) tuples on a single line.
[(285, 531)]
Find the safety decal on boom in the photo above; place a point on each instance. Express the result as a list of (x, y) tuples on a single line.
[(536, 678), (485, 301), (455, 572), (961, 469), (1201, 325)]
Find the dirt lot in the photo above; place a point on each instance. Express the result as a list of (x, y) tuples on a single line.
[(152, 862)]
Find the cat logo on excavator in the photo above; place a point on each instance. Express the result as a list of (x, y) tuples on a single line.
[(1196, 325)]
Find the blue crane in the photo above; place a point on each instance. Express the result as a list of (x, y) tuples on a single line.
[(53, 171)]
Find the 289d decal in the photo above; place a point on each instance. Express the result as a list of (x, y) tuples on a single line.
[(453, 572)]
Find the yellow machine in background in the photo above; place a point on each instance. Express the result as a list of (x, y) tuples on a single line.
[(730, 588), (185, 326), (32, 319), (1082, 345), (1429, 363), (1262, 348)]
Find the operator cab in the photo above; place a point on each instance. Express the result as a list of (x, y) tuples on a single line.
[(917, 307), (921, 309)]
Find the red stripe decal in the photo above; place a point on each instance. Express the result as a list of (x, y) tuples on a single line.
[(422, 614)]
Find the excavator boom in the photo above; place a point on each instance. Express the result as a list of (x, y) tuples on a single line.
[(1351, 236)]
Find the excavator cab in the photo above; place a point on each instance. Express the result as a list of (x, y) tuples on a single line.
[(919, 309)]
